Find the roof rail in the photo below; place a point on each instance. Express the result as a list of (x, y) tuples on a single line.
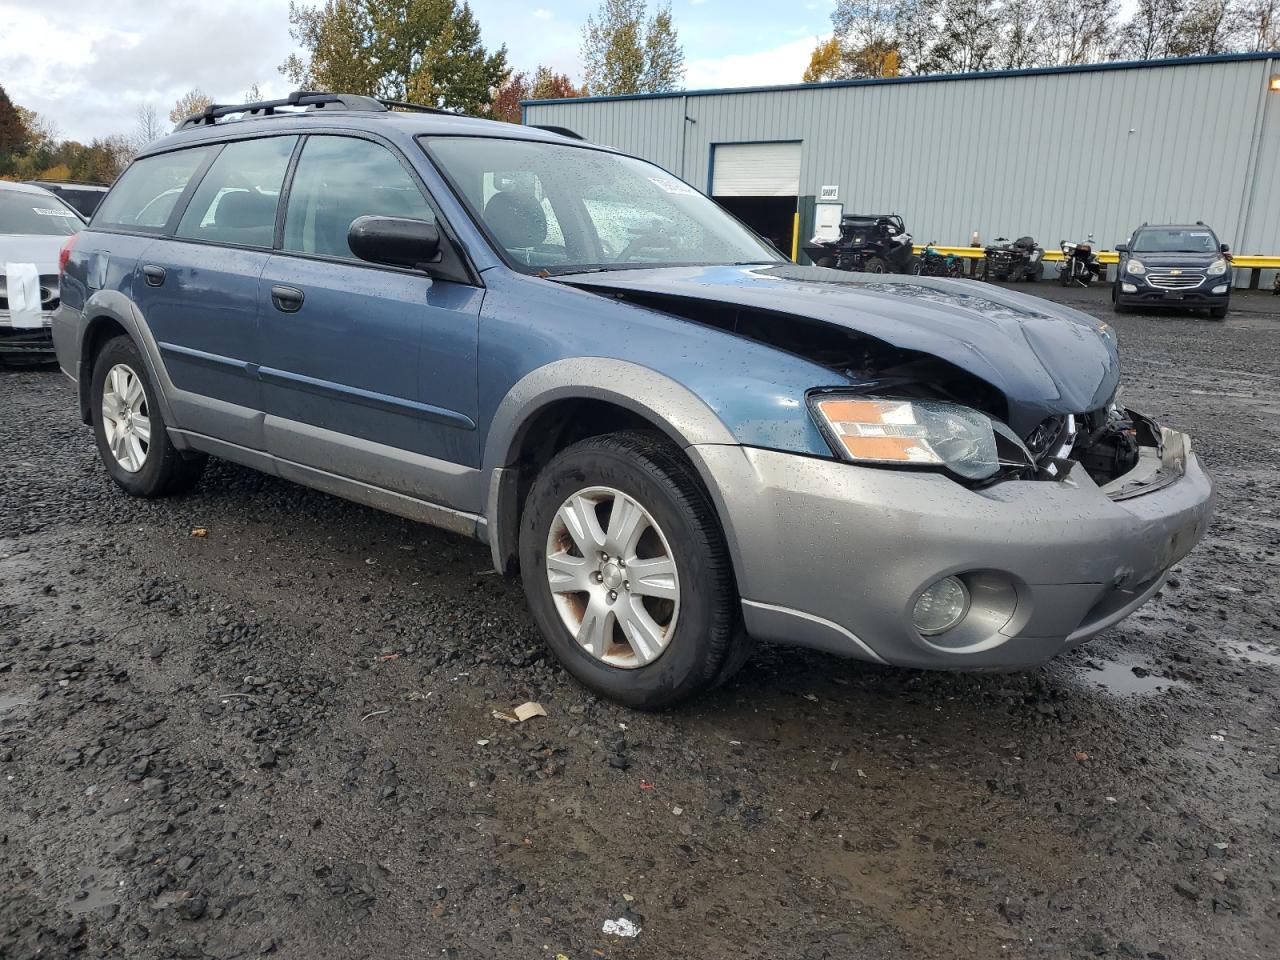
[(563, 131), (306, 99)]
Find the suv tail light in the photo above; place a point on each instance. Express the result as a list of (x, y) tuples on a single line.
[(65, 253)]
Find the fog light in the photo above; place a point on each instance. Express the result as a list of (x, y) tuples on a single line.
[(1221, 288), (1128, 288), (941, 606)]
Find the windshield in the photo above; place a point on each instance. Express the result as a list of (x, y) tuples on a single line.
[(1175, 240), (566, 209), (35, 213)]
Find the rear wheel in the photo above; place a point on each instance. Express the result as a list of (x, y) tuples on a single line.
[(825, 262), (875, 265), (627, 573), (129, 427)]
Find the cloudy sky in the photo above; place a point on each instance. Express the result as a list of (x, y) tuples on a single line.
[(87, 65)]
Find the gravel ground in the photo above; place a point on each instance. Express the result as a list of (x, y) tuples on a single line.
[(278, 738)]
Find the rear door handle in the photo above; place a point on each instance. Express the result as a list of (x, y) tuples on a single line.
[(154, 275), (286, 299)]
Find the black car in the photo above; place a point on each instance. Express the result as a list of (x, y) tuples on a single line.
[(1173, 265), (85, 197)]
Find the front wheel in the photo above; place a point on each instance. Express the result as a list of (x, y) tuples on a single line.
[(627, 573), (130, 430), (1218, 313), (875, 265)]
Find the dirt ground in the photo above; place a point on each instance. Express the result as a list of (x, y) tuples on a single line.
[(278, 739)]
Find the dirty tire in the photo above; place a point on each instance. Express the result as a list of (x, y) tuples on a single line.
[(825, 262), (875, 265), (708, 644), (165, 471)]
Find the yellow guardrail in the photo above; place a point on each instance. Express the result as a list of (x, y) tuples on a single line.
[(1247, 261)]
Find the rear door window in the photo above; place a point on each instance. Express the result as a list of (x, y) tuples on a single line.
[(339, 179), (146, 194), (236, 201)]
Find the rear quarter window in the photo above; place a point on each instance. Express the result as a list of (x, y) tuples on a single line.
[(145, 195)]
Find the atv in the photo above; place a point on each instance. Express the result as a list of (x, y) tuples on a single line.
[(868, 243), (1021, 259)]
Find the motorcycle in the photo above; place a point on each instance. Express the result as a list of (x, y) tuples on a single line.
[(868, 243), (1012, 261), (933, 263), (1080, 265)]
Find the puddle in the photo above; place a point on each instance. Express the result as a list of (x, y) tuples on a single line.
[(1117, 677), (1239, 650)]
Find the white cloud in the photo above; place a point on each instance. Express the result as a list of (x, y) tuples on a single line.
[(543, 14), (88, 73), (783, 64)]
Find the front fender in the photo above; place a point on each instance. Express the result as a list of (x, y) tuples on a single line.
[(666, 404)]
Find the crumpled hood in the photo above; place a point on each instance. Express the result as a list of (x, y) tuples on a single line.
[(1045, 358), (31, 248)]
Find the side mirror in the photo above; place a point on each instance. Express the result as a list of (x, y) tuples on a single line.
[(1225, 247), (1122, 248), (395, 241)]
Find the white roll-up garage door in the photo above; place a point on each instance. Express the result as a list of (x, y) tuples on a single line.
[(756, 170)]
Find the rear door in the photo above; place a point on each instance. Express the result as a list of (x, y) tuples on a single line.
[(199, 288), (368, 372)]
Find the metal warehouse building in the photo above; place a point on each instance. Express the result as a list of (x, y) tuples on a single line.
[(1058, 153)]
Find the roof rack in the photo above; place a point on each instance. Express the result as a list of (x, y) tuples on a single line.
[(308, 100)]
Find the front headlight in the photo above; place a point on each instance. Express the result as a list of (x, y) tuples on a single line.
[(1217, 268), (1136, 267), (909, 432)]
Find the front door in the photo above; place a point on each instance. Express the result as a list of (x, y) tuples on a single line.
[(367, 372)]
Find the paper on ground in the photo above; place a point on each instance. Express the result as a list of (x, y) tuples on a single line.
[(622, 927), (23, 283)]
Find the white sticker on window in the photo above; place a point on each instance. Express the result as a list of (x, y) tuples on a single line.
[(668, 185), (52, 212)]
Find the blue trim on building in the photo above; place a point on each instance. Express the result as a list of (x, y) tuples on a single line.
[(928, 78)]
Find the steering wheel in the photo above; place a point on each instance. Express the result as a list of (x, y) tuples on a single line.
[(650, 240)]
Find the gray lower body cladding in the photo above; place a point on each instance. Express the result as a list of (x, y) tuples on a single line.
[(834, 556)]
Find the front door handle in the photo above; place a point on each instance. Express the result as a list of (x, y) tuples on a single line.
[(154, 275), (286, 299)]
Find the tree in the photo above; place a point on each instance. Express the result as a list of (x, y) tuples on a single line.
[(14, 135), (626, 51), (252, 95), (423, 50), (545, 85), (193, 101), (1262, 24), (967, 39), (1210, 26), (826, 62), (1022, 44), (1081, 31), (148, 126), (1151, 32)]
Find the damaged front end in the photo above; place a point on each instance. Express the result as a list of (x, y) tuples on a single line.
[(984, 385)]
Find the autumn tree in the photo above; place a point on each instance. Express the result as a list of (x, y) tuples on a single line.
[(193, 101), (14, 135), (826, 62), (1082, 31), (1023, 40), (624, 50), (428, 51), (545, 84)]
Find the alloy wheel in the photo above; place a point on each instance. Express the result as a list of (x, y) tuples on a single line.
[(125, 421), (613, 577)]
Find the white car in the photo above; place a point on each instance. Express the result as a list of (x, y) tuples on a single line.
[(34, 224)]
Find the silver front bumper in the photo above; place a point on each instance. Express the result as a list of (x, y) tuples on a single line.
[(833, 556)]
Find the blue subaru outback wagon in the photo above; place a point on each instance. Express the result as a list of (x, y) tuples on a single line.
[(680, 440)]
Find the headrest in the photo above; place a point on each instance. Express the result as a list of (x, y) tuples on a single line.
[(245, 208), (516, 219)]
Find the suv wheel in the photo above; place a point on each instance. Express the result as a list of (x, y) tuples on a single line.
[(130, 430), (1218, 313), (627, 572)]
